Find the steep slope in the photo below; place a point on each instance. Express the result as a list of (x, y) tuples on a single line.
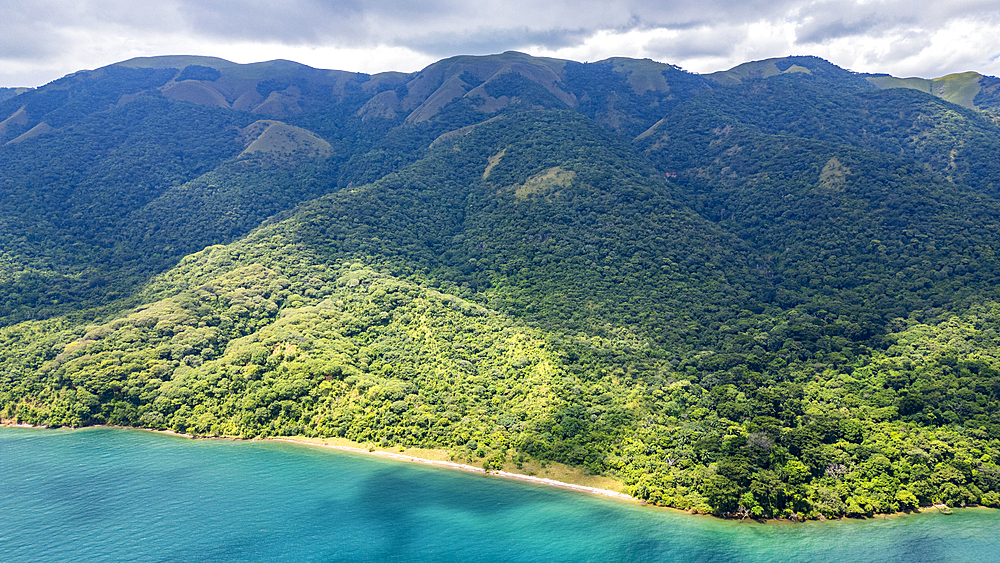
[(7, 93), (343, 320), (822, 179), (308, 325), (756, 71), (762, 292), (967, 89), (96, 208), (62, 101), (628, 96), (845, 227), (839, 107), (624, 95), (542, 213), (514, 216), (277, 89)]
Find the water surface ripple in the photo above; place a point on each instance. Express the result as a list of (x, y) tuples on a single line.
[(105, 494)]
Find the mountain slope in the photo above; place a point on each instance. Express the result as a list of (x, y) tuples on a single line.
[(839, 107), (108, 197), (967, 89), (289, 332), (423, 360), (763, 292)]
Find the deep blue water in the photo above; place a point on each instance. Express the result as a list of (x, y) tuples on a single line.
[(107, 494)]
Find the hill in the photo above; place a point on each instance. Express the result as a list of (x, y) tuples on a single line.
[(762, 292), (6, 93), (967, 89)]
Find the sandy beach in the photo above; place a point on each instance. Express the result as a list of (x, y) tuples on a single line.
[(462, 467), (360, 449), (399, 456)]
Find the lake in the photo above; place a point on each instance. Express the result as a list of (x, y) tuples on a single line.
[(106, 494)]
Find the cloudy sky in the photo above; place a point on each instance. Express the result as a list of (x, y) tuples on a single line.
[(41, 40)]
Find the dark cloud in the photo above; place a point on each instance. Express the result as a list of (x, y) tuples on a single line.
[(412, 24), (824, 21), (290, 22)]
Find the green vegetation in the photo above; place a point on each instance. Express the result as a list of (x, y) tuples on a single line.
[(967, 89), (7, 93), (764, 293)]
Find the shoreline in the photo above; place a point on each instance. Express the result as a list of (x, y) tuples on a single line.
[(460, 467), (446, 464), (359, 449)]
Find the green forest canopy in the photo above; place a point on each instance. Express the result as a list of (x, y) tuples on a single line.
[(745, 295)]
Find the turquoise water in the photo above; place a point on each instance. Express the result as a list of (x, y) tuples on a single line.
[(106, 494)]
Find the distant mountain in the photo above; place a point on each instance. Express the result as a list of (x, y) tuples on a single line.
[(967, 89), (769, 68), (7, 93), (760, 292)]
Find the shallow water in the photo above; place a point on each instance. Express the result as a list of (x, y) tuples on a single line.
[(106, 494)]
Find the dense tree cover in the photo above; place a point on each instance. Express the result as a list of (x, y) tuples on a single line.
[(125, 181), (878, 436), (858, 234), (201, 72), (779, 300), (605, 95), (478, 217), (63, 101), (66, 196), (91, 213), (988, 97), (8, 93), (842, 108), (263, 338)]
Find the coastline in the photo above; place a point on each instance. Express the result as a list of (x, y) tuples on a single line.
[(353, 447), (457, 466), (438, 460)]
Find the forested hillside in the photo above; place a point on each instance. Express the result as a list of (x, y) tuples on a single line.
[(763, 292)]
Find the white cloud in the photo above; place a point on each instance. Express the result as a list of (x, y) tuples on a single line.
[(959, 45), (368, 60), (41, 40)]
